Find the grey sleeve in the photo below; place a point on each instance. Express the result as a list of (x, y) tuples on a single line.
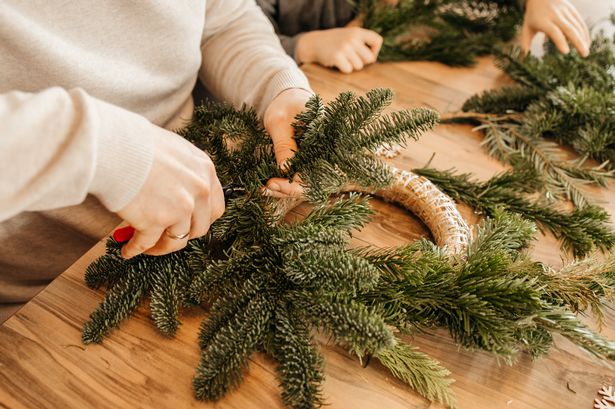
[(289, 43), (521, 4)]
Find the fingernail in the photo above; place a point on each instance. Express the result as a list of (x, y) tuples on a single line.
[(274, 187)]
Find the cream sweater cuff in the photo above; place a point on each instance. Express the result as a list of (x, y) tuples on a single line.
[(124, 156), (281, 81)]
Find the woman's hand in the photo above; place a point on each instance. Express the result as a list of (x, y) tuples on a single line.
[(180, 199), (278, 119), (560, 21)]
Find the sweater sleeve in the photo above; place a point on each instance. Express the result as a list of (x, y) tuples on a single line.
[(58, 145), (289, 43), (521, 4), (243, 61)]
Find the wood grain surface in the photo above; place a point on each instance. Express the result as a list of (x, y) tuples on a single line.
[(44, 365)]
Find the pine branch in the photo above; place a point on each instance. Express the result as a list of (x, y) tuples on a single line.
[(343, 215), (226, 356), (119, 302), (582, 286), (331, 270), (560, 98), (537, 341), (561, 177), (579, 231), (449, 31), (222, 311), (165, 300), (497, 300), (334, 146), (569, 326), (424, 374), (501, 101), (353, 323), (165, 279), (501, 232), (299, 365), (104, 270)]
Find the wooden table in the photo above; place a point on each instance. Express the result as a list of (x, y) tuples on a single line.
[(44, 365)]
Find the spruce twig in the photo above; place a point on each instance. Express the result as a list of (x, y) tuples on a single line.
[(579, 231), (495, 299), (558, 100), (420, 371), (449, 31)]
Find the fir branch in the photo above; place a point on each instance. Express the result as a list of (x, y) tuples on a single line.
[(165, 278), (332, 270), (415, 368), (449, 31), (354, 324), (119, 302), (501, 232), (299, 365), (351, 213), (226, 356), (582, 286), (566, 324), (104, 270), (334, 147), (223, 310), (559, 99), (537, 341), (579, 231), (561, 177), (497, 300), (165, 300), (501, 101)]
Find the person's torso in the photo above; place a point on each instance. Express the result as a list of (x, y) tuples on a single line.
[(142, 56), (296, 16)]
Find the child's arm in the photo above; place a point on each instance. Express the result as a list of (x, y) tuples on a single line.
[(559, 20), (289, 42), (347, 48)]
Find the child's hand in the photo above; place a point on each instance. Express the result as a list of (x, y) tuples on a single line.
[(347, 48), (559, 20)]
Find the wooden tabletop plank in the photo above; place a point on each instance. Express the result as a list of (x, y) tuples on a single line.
[(43, 363)]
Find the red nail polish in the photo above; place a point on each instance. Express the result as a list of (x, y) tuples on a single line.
[(123, 234)]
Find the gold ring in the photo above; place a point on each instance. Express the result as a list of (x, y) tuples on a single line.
[(176, 236)]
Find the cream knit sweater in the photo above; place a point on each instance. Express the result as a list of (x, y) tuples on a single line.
[(83, 82)]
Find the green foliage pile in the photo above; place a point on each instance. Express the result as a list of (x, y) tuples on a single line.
[(559, 100), (453, 32), (271, 285)]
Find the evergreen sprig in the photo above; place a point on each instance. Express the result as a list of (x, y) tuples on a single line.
[(495, 298), (420, 371), (275, 287), (580, 231), (454, 32), (164, 279), (561, 99), (270, 284), (336, 146)]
